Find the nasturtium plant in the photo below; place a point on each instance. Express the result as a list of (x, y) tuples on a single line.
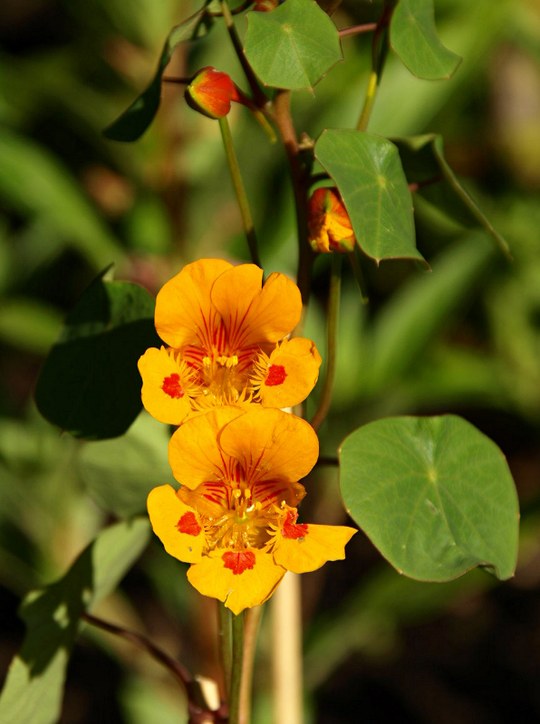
[(238, 398)]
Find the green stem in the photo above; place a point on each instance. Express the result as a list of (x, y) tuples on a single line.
[(240, 190), (235, 709), (225, 643), (331, 330), (379, 48)]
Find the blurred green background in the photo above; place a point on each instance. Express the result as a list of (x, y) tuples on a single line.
[(464, 338)]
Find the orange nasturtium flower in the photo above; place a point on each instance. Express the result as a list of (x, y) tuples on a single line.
[(330, 227), (226, 337), (235, 517)]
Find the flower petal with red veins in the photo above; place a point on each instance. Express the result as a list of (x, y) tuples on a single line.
[(317, 545), (239, 581), (297, 362), (184, 311), (166, 385), (177, 525)]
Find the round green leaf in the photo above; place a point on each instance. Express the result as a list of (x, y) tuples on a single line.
[(367, 171), (293, 46), (120, 473), (434, 495), (89, 384), (414, 38)]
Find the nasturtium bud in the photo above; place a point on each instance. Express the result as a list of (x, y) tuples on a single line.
[(211, 92), (329, 225)]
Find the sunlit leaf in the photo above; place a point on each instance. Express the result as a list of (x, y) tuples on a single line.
[(424, 163), (367, 171), (120, 473), (414, 38), (33, 688), (434, 495), (293, 46), (89, 384), (135, 120)]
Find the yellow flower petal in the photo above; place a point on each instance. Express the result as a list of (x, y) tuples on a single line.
[(165, 390), (239, 579), (184, 311), (177, 525), (271, 444), (305, 547), (194, 454), (289, 373), (253, 315)]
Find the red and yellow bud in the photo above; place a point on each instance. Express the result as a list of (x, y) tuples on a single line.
[(330, 227), (211, 92)]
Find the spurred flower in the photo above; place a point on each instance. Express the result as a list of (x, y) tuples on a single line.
[(330, 227), (235, 517), (211, 92), (226, 336)]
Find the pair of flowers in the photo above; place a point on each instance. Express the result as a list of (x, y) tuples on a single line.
[(225, 373)]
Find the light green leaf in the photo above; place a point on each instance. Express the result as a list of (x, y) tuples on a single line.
[(434, 495), (367, 171), (293, 46), (135, 120), (89, 384), (34, 184), (120, 473), (33, 690), (414, 38)]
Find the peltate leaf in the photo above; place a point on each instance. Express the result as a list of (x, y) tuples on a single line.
[(89, 384), (33, 688), (423, 161), (135, 120), (293, 46), (434, 495), (414, 38), (367, 171)]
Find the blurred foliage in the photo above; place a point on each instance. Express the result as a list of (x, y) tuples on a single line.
[(463, 338)]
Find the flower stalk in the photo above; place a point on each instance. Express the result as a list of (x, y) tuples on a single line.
[(240, 190), (237, 668)]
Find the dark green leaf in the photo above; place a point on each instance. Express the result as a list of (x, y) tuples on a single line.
[(89, 384), (367, 171), (135, 120), (414, 38), (434, 495), (293, 46), (120, 473), (33, 690), (424, 163)]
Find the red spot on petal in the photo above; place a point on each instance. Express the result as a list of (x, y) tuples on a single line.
[(171, 386), (239, 561), (188, 524), (276, 375), (292, 529)]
